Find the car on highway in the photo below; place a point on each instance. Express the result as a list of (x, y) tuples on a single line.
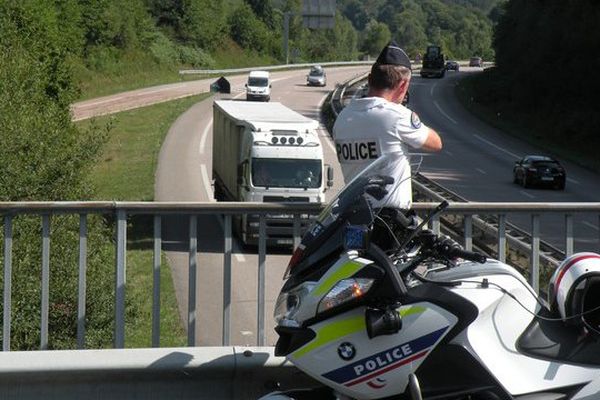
[(475, 62), (452, 65), (539, 170), (316, 76), (258, 86)]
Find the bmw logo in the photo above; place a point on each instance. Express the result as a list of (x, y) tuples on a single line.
[(346, 351)]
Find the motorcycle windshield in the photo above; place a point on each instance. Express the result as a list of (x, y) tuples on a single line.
[(384, 167)]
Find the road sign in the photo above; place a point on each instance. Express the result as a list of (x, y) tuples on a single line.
[(318, 14)]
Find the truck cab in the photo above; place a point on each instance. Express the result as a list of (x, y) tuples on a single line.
[(266, 152), (258, 86)]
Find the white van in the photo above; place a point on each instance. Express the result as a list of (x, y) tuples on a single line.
[(258, 86)]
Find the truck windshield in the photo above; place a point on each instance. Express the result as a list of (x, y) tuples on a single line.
[(289, 173), (258, 81)]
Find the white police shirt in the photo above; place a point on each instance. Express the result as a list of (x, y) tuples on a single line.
[(372, 126)]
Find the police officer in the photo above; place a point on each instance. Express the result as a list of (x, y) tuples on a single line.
[(378, 124)]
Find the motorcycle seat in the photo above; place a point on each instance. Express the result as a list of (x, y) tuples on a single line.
[(553, 340)]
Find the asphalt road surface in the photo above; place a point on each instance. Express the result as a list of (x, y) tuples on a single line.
[(183, 174), (477, 163)]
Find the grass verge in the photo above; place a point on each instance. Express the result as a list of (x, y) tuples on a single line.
[(137, 70), (126, 168), (126, 172)]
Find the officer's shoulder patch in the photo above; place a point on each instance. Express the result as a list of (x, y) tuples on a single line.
[(414, 120)]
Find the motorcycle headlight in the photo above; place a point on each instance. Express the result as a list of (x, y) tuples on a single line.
[(345, 291), (288, 304)]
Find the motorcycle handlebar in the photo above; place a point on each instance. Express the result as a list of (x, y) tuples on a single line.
[(468, 255)]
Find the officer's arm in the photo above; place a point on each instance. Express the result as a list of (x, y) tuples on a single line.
[(433, 142)]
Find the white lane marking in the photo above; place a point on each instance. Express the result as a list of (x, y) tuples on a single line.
[(481, 171), (495, 146), (206, 182), (432, 87), (204, 136), (451, 154), (527, 194), (573, 181), (590, 225), (443, 113)]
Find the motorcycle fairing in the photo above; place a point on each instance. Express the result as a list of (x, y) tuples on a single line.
[(492, 337), (380, 366)]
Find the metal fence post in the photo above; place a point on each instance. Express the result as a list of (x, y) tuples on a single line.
[(535, 252), (45, 282), (120, 280), (568, 234), (468, 223), (156, 262), (227, 282), (8, 231), (296, 231), (262, 249), (191, 323), (81, 281), (502, 238)]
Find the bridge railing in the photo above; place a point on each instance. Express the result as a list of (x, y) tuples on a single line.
[(122, 212)]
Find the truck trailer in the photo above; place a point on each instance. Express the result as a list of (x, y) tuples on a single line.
[(434, 64), (266, 152)]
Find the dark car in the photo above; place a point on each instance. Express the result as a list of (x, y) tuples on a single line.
[(539, 170), (452, 66)]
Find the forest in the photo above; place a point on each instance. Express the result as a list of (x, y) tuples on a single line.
[(545, 81)]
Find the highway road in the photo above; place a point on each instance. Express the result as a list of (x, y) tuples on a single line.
[(183, 174), (476, 163)]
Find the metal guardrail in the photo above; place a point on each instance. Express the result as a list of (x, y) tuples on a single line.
[(271, 67), (198, 373), (120, 211)]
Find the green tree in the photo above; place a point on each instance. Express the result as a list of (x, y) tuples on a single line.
[(376, 36), (354, 10), (44, 157), (246, 29), (409, 33)]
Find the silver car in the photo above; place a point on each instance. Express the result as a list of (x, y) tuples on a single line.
[(316, 76)]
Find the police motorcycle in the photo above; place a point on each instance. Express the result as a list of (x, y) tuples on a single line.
[(374, 306)]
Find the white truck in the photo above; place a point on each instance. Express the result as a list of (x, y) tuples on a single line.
[(266, 152)]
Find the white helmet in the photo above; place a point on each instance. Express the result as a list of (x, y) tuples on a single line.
[(575, 290)]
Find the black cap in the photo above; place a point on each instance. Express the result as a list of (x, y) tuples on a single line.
[(392, 54)]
